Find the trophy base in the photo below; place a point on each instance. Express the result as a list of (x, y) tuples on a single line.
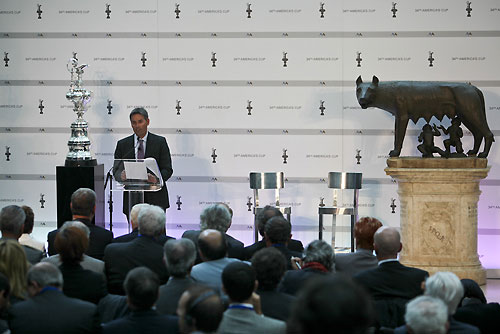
[(80, 163)]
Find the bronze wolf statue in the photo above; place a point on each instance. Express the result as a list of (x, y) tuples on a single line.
[(423, 99)]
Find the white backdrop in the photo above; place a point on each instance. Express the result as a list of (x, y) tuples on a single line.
[(321, 64)]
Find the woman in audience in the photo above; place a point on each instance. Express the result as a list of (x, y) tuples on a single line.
[(26, 238), (14, 265), (80, 283)]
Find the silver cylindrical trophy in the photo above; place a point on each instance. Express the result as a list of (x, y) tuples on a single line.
[(78, 143)]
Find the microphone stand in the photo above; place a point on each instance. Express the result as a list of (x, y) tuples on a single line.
[(109, 176)]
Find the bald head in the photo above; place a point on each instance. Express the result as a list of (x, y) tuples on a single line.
[(212, 245), (387, 243)]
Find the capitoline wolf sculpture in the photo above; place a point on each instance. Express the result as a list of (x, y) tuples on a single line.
[(423, 99)]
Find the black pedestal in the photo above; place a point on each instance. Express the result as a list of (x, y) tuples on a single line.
[(69, 179)]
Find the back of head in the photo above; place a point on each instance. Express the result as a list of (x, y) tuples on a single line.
[(238, 280), (83, 202), (134, 213), (278, 230), (77, 224), (204, 308), (267, 213), (364, 229), (387, 242), (151, 221), (29, 221), (320, 251), (11, 220), (212, 244), (141, 286), (329, 302), (14, 265), (270, 266), (71, 243), (180, 256), (426, 315), (215, 217), (45, 274), (447, 287)]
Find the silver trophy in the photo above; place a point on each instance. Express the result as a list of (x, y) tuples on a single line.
[(78, 143)]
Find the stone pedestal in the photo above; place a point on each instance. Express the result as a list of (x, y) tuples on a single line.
[(438, 202)]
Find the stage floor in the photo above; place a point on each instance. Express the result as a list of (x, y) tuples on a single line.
[(492, 290)]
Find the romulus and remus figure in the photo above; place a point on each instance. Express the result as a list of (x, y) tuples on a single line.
[(423, 99)]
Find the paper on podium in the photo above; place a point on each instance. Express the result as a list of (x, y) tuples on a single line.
[(153, 167), (136, 170)]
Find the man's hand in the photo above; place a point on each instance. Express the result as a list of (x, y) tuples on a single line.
[(152, 178), (296, 263), (123, 176)]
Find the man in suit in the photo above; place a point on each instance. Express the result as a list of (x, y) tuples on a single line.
[(267, 213), (179, 256), (270, 265), (141, 286), (83, 209), (277, 234), (120, 258), (49, 310), (200, 310), (12, 225), (243, 315), (144, 144), (363, 258), (426, 314), (218, 217)]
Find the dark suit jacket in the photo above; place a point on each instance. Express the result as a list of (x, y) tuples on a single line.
[(294, 280), (235, 247), (112, 307), (32, 255), (276, 304), (353, 263), (170, 294), (98, 240), (132, 235), (120, 258), (51, 312), (288, 254), (157, 148), (142, 322), (483, 316), (82, 283), (293, 245)]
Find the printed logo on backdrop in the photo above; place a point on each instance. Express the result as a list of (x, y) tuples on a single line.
[(285, 156), (285, 59), (42, 201), (249, 107), (249, 11), (7, 153), (358, 157), (468, 9), (40, 106), (393, 205), (6, 59), (143, 59), (249, 203), (394, 9), (39, 11), (213, 59), (108, 11), (214, 156), (322, 107), (431, 59), (178, 106), (322, 10), (321, 202), (75, 55), (177, 11), (109, 106), (358, 59), (178, 202)]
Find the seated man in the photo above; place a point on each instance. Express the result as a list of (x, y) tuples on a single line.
[(200, 310), (426, 314), (277, 234)]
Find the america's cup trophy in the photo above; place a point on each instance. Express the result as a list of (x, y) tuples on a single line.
[(78, 143)]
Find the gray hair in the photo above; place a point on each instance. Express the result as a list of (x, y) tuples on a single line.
[(12, 219), (216, 217), (447, 287), (426, 315), (179, 256), (76, 223), (320, 251), (45, 274), (151, 221), (134, 213), (83, 202)]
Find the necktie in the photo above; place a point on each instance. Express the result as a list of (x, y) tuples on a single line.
[(140, 150)]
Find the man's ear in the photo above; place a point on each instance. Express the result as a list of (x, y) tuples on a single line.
[(93, 209)]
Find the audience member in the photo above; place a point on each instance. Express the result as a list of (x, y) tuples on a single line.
[(79, 283), (200, 310), (141, 286), (179, 256), (26, 238), (12, 225), (267, 213), (49, 310), (319, 260), (14, 265), (241, 317), (217, 217), (88, 262), (363, 258), (120, 258), (425, 315), (391, 284), (277, 234), (4, 302), (270, 265), (212, 247), (331, 304), (83, 209)]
